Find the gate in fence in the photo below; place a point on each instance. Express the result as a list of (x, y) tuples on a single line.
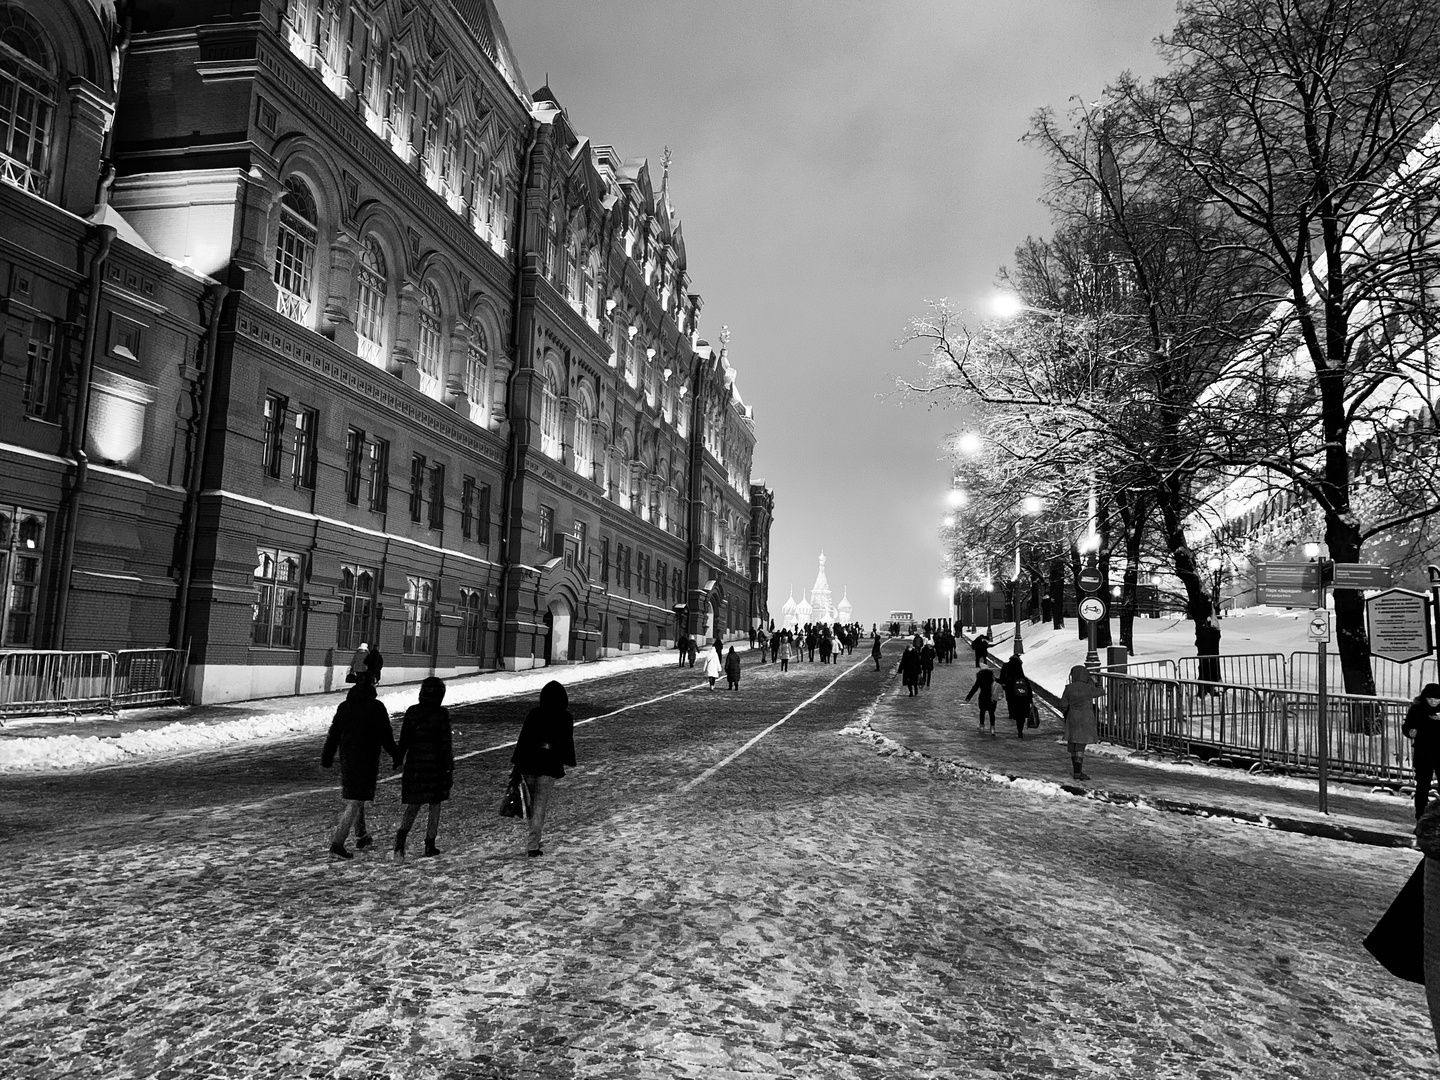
[(38, 682)]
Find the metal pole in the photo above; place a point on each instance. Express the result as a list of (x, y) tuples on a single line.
[(1019, 649), (1324, 736), (1092, 655)]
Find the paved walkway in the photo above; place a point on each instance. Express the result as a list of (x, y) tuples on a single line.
[(941, 724)]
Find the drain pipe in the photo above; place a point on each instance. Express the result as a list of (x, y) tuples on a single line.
[(512, 444), (218, 293), (105, 235)]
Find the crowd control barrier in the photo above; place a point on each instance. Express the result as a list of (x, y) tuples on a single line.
[(36, 682)]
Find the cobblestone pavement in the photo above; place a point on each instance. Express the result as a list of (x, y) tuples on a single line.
[(810, 909)]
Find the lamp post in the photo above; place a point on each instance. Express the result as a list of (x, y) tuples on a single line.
[(1215, 565), (989, 608)]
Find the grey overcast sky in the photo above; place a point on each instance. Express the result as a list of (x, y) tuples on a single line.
[(836, 164)]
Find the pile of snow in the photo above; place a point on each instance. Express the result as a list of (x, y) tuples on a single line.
[(288, 718)]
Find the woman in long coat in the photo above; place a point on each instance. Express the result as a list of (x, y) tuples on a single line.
[(545, 746), (984, 685), (732, 669), (875, 651), (426, 751), (1019, 696), (1082, 726), (713, 667), (360, 730), (910, 669)]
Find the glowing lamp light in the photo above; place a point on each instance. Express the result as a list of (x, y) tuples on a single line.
[(609, 306), (969, 443), (632, 331), (959, 497), (1312, 550), (948, 521), (1033, 504), (1006, 305), (116, 426)]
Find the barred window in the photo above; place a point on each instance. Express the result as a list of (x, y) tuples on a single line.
[(22, 553), (277, 598), (357, 606), (430, 353), (295, 251), (370, 297), (419, 614)]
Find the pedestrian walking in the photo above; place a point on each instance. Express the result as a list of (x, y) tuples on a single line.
[(1082, 727), (691, 650), (775, 639), (428, 757), (713, 667), (732, 670), (909, 668), (683, 648), (927, 664), (981, 645), (985, 686), (545, 746), (875, 651), (764, 642), (1019, 694), (826, 648), (1422, 728), (374, 664), (784, 652), (358, 671), (360, 730)]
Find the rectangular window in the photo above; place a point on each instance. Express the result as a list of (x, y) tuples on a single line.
[(437, 496), (547, 527), (581, 533), (483, 533), (417, 486), (660, 582), (472, 627), (273, 615), (274, 436), (303, 462), (643, 566), (604, 560), (22, 551), (357, 607), (419, 614), (40, 367), (467, 506), (377, 454), (354, 464)]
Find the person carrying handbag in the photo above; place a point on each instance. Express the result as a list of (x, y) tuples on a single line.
[(1019, 696), (545, 746)]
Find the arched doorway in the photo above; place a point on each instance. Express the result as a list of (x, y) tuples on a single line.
[(558, 618)]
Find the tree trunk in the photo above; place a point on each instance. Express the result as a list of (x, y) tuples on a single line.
[(1057, 592), (1197, 600)]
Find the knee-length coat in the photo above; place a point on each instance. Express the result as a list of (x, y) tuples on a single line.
[(1078, 705), (360, 730), (429, 757)]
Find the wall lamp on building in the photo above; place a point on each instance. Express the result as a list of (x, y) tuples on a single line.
[(632, 331), (609, 307)]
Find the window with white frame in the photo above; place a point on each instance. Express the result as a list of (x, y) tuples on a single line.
[(472, 626), (372, 68), (573, 258), (27, 102), (22, 554), (397, 105), (591, 286), (632, 370), (550, 412), (357, 606), (430, 348), (477, 370), (295, 252), (370, 297), (583, 442), (274, 613), (419, 614)]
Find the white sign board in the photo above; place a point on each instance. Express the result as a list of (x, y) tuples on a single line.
[(1092, 609), (1318, 628), (1399, 625)]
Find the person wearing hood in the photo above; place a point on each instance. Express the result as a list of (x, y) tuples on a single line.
[(1082, 725), (1422, 728), (910, 670), (428, 757), (984, 685), (732, 669), (981, 645), (545, 746), (1019, 695), (875, 651), (713, 667), (360, 730)]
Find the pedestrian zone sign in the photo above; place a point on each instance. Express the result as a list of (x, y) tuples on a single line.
[(1092, 609), (1399, 625)]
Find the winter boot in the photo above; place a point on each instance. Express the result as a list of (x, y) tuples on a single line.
[(400, 844), (363, 841), (340, 851), (430, 849)]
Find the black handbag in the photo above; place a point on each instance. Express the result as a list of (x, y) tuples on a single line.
[(1398, 940), (1033, 720), (516, 800)]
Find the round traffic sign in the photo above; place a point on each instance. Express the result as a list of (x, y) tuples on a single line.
[(1090, 579), (1092, 609)]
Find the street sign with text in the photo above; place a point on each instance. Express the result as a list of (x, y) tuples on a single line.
[(1288, 584), (1362, 576), (1399, 625)]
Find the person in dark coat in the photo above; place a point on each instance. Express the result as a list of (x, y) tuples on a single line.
[(910, 669), (360, 730), (732, 669), (875, 651), (1207, 647), (775, 638), (1019, 695), (1082, 722), (981, 645), (1422, 728), (927, 663), (426, 752), (691, 650), (374, 664), (683, 648), (985, 686), (545, 746)]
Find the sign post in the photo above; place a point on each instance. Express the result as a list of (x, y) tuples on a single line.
[(1288, 584), (1319, 632), (1089, 582)]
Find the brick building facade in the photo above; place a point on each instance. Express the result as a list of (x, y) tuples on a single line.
[(383, 351)]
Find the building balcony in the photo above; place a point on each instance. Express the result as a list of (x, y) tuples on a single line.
[(18, 174)]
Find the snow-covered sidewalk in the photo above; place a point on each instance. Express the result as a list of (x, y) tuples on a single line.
[(35, 746)]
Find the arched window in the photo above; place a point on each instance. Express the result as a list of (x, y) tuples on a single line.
[(583, 441), (27, 102), (370, 293), (397, 105), (572, 268), (430, 350), (497, 208), (591, 286), (295, 251), (477, 370), (373, 72), (552, 244), (550, 412), (632, 368)]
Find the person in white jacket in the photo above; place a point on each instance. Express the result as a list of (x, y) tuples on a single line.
[(714, 666)]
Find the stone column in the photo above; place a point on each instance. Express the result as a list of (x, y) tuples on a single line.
[(337, 320), (569, 410), (79, 173), (456, 368), (402, 352), (259, 196)]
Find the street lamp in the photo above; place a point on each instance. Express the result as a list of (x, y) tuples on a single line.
[(1031, 505), (1215, 566), (989, 609)]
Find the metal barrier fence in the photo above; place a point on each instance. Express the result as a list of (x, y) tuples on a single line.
[(1392, 680), (1272, 725), (1237, 669), (35, 682), (1150, 669)]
